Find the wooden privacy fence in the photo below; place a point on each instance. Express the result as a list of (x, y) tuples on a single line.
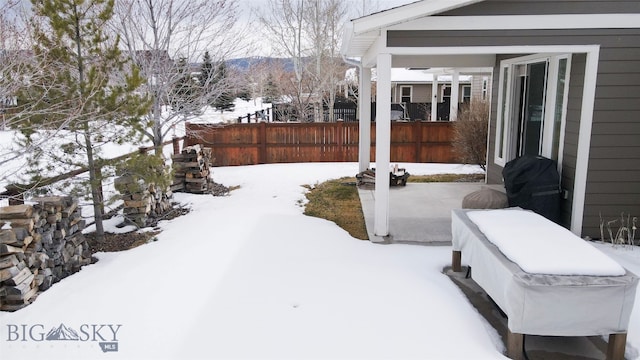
[(266, 143)]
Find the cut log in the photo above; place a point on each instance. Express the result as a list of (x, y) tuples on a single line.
[(7, 236), (8, 261), (16, 211), (8, 249), (20, 277), (23, 223), (9, 272)]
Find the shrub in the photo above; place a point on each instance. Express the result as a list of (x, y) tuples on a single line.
[(470, 133)]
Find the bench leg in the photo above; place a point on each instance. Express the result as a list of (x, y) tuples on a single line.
[(514, 345), (617, 344), (456, 261)]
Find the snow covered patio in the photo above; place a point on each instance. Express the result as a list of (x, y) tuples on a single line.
[(250, 276)]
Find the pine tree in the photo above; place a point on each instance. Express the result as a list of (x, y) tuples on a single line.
[(224, 101), (206, 70), (87, 87), (185, 92), (270, 90)]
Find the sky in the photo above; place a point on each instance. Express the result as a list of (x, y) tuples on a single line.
[(356, 8)]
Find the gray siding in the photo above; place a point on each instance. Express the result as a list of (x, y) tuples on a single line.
[(613, 179), (544, 7)]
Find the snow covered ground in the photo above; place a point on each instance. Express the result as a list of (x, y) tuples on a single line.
[(249, 276)]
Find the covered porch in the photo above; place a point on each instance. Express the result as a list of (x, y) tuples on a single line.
[(413, 36)]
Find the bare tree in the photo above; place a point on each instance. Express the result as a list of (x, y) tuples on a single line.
[(324, 29), (158, 34), (284, 24), (308, 32)]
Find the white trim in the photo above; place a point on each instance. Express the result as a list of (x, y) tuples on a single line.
[(502, 127), (563, 120), (399, 98), (405, 13), (584, 139), (523, 22), (465, 50)]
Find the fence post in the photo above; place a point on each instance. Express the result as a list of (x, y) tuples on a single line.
[(262, 138), (248, 118), (176, 145), (340, 139), (417, 136)]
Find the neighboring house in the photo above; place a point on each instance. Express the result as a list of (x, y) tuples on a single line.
[(566, 85), (414, 89)]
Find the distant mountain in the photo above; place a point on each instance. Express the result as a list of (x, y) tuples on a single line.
[(62, 333), (246, 63)]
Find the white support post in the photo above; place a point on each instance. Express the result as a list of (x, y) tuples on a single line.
[(383, 145), (455, 96), (364, 104), (434, 98), (584, 139)]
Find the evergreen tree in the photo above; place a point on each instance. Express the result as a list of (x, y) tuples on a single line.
[(206, 70), (185, 92), (87, 87), (270, 90), (224, 101)]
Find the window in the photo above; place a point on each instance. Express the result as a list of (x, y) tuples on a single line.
[(485, 87), (466, 94), (532, 107), (405, 94)]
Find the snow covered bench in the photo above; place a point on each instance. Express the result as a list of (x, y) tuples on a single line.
[(547, 280)]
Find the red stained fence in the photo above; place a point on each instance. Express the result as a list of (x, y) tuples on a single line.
[(266, 143)]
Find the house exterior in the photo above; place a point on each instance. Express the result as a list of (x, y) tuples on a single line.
[(418, 89), (566, 85)]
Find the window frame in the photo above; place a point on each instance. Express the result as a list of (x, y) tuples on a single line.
[(506, 129)]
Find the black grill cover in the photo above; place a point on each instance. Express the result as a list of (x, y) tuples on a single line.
[(533, 182)]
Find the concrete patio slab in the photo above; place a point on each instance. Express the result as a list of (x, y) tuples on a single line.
[(419, 213)]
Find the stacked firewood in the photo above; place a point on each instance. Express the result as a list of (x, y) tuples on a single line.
[(40, 244), (142, 203), (191, 170)]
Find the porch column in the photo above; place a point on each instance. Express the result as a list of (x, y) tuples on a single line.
[(434, 98), (364, 104), (383, 145), (455, 95)]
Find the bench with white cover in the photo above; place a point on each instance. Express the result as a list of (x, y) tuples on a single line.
[(547, 280)]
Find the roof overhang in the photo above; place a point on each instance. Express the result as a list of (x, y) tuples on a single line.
[(366, 37), (362, 32)]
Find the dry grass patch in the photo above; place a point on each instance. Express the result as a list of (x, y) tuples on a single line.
[(338, 201), (446, 178)]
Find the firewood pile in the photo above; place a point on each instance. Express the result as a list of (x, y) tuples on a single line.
[(191, 170), (142, 203), (40, 244)]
